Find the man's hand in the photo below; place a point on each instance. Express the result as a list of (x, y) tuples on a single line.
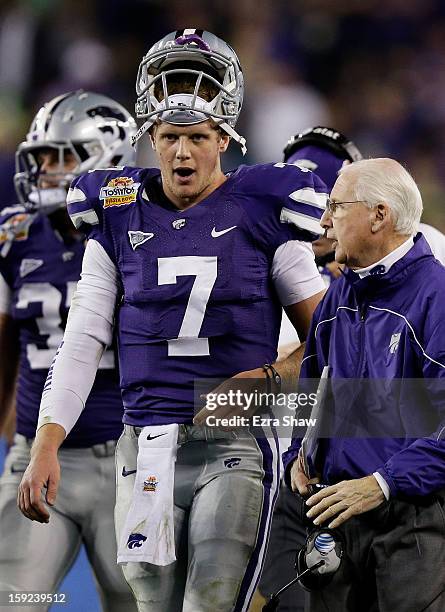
[(298, 478), (242, 386), (345, 499), (42, 472)]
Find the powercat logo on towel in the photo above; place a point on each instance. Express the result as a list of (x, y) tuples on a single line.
[(119, 192), (150, 484)]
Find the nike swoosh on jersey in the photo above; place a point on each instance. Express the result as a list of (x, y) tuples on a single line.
[(216, 234), (150, 437), (127, 472)]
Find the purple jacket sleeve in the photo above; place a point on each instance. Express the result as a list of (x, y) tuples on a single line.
[(419, 469)]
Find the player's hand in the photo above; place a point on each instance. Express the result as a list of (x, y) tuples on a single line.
[(298, 478), (42, 472), (240, 389), (345, 499)]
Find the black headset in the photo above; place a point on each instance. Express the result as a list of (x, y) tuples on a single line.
[(326, 138)]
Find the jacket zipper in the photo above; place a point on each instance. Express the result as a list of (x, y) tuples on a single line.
[(362, 310)]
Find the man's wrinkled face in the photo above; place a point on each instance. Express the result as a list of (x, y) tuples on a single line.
[(189, 159), (350, 225)]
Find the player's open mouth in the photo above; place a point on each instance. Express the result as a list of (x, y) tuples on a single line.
[(183, 174)]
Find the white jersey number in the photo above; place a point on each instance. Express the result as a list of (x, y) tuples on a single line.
[(205, 269), (50, 323)]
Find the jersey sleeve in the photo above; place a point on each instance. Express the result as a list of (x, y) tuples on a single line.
[(294, 272), (5, 296), (302, 199), (284, 202), (85, 208)]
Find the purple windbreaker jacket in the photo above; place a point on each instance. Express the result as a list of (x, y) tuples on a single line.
[(388, 329)]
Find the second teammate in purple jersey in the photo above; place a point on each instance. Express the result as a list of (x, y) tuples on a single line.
[(191, 267), (40, 262)]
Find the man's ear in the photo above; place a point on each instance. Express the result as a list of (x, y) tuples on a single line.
[(224, 143), (152, 133), (381, 217)]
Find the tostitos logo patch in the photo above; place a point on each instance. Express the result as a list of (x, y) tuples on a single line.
[(119, 192), (150, 484), (15, 228)]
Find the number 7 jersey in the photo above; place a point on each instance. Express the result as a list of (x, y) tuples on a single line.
[(198, 298)]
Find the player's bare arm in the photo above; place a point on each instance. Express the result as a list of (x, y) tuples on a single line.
[(289, 368), (43, 472)]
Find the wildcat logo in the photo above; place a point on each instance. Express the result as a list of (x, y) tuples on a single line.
[(135, 540), (232, 462), (119, 192), (394, 342), (150, 484)]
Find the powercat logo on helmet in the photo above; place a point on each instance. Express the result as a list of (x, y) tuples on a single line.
[(119, 192)]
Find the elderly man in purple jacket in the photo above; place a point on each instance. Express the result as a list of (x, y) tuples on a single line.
[(384, 456)]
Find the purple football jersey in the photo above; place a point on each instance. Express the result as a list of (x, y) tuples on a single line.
[(198, 298), (42, 272)]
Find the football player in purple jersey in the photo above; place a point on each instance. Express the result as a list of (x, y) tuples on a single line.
[(40, 262), (191, 266)]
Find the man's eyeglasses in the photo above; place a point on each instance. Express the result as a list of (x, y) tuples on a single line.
[(331, 206)]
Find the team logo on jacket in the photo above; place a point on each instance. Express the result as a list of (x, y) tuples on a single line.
[(150, 484), (394, 342), (119, 192), (135, 540)]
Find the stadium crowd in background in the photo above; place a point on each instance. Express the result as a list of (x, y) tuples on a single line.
[(373, 70)]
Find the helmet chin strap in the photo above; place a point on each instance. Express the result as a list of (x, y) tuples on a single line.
[(233, 134)]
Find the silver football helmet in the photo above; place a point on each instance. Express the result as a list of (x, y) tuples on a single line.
[(95, 129), (199, 56)]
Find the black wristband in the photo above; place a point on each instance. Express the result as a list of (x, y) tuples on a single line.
[(272, 375)]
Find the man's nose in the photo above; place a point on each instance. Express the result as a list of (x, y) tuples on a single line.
[(183, 150), (326, 220)]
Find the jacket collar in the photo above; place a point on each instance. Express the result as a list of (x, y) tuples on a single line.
[(399, 271)]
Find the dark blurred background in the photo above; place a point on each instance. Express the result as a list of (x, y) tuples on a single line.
[(375, 70)]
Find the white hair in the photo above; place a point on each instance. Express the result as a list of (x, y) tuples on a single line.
[(385, 180)]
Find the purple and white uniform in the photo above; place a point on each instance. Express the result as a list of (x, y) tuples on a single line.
[(40, 273), (202, 294), (38, 277)]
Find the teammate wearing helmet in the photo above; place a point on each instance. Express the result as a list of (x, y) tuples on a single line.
[(205, 261), (40, 261)]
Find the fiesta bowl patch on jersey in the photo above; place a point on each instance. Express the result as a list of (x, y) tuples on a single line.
[(150, 484), (16, 227), (119, 192)]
